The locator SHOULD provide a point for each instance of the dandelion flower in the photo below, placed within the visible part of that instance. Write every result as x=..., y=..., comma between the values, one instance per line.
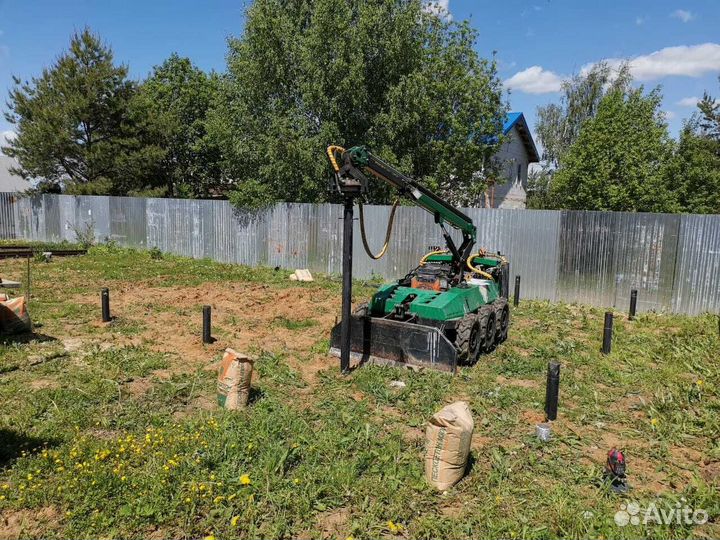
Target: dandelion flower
x=234, y=521
x=210, y=537
x=654, y=421
x=245, y=479
x=700, y=382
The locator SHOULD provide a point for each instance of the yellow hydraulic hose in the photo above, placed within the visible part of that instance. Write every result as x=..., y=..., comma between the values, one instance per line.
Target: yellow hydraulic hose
x=477, y=270
x=388, y=232
x=428, y=255
x=331, y=154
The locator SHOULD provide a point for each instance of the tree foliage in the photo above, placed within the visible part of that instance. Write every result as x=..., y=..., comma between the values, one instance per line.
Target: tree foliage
x=559, y=124
x=618, y=160
x=384, y=73
x=177, y=97
x=695, y=168
x=75, y=127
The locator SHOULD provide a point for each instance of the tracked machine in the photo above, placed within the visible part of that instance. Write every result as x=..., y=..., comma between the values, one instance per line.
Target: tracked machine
x=450, y=309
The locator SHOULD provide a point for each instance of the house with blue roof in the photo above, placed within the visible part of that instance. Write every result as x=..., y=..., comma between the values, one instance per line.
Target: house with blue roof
x=512, y=160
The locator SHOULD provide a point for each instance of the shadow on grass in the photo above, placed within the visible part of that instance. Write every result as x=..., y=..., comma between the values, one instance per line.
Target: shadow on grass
x=256, y=394
x=13, y=444
x=24, y=338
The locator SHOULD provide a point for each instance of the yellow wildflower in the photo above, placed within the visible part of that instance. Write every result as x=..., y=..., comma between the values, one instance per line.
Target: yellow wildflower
x=234, y=521
x=210, y=537
x=700, y=382
x=394, y=528
x=245, y=479
x=654, y=421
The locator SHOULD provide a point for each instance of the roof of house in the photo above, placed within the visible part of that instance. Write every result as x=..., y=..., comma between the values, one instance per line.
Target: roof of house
x=517, y=119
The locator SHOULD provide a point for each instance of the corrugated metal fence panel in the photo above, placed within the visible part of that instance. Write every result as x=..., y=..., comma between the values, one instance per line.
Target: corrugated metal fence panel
x=127, y=221
x=603, y=255
x=697, y=269
x=92, y=216
x=7, y=216
x=588, y=257
x=51, y=208
x=529, y=240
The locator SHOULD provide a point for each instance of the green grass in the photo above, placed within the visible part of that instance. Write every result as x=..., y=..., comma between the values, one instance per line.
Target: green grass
x=113, y=439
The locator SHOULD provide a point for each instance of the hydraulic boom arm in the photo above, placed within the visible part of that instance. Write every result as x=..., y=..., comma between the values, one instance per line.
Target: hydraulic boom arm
x=351, y=181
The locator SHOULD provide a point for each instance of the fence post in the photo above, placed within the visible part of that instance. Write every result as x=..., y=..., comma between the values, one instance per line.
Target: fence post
x=607, y=333
x=633, y=304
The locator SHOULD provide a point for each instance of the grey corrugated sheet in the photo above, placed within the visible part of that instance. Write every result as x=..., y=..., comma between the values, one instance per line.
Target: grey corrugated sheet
x=588, y=257
x=697, y=268
x=7, y=217
x=603, y=255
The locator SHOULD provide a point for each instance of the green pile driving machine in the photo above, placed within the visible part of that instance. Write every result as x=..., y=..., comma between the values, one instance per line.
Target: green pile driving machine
x=451, y=308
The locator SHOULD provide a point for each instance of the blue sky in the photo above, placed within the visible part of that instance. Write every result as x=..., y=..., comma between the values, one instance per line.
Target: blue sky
x=673, y=43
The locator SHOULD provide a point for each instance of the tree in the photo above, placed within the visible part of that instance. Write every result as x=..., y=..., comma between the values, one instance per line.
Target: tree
x=558, y=125
x=618, y=160
x=710, y=116
x=74, y=124
x=177, y=96
x=694, y=171
x=384, y=73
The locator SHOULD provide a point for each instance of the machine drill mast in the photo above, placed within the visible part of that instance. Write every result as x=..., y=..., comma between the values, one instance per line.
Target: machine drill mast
x=351, y=181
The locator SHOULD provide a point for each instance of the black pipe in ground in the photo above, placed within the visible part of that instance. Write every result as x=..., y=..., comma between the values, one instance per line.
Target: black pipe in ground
x=633, y=304
x=516, y=299
x=105, y=302
x=607, y=333
x=207, y=325
x=552, y=389
x=347, y=286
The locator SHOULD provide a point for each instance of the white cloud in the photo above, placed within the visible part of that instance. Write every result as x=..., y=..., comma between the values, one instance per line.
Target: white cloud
x=535, y=80
x=7, y=136
x=669, y=115
x=441, y=8
x=639, y=20
x=681, y=61
x=685, y=61
x=692, y=101
x=683, y=15
x=688, y=101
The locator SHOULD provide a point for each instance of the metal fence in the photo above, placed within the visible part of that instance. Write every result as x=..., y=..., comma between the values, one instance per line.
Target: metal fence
x=589, y=257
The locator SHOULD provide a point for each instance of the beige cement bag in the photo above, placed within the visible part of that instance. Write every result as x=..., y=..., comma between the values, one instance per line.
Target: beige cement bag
x=14, y=316
x=234, y=376
x=447, y=439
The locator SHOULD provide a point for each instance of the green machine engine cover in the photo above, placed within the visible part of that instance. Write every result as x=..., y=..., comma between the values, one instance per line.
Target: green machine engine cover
x=454, y=303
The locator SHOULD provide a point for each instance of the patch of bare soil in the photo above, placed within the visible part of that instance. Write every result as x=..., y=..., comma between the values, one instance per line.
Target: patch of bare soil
x=520, y=383
x=28, y=523
x=334, y=523
x=138, y=387
x=246, y=317
x=533, y=417
x=43, y=384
